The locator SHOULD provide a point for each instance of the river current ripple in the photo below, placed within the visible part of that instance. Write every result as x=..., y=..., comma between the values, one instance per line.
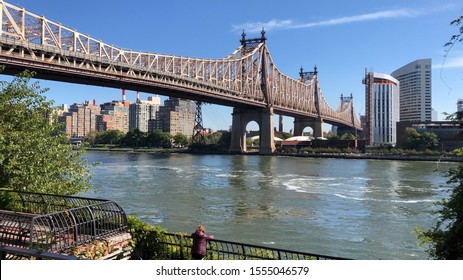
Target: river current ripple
x=361, y=209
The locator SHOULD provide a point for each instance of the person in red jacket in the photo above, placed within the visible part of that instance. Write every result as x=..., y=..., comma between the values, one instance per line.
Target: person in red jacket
x=199, y=250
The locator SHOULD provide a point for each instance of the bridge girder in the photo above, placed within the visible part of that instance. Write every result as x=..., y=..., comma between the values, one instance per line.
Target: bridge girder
x=244, y=79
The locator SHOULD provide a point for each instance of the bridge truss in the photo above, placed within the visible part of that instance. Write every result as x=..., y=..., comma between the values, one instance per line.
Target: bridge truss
x=247, y=78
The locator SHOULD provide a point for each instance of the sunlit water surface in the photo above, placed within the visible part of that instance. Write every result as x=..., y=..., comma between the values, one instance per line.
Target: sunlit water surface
x=361, y=209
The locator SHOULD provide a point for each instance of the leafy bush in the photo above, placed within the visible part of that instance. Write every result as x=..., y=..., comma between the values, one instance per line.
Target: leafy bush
x=445, y=238
x=146, y=240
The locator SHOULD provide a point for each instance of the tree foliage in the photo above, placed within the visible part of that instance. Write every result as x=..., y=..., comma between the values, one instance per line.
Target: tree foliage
x=457, y=116
x=446, y=236
x=331, y=135
x=420, y=141
x=180, y=139
x=218, y=141
x=134, y=138
x=109, y=137
x=159, y=139
x=458, y=37
x=35, y=154
x=348, y=136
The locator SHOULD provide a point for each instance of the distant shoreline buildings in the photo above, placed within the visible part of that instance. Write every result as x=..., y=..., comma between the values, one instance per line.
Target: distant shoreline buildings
x=403, y=100
x=393, y=102
x=176, y=115
x=405, y=95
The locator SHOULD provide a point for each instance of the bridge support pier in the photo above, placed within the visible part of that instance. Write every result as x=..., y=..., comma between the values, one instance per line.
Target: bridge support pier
x=315, y=124
x=264, y=118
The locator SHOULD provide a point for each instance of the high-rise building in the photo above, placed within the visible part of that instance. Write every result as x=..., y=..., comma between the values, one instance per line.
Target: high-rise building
x=415, y=90
x=177, y=115
x=81, y=119
x=382, y=108
x=142, y=111
x=435, y=115
x=58, y=113
x=114, y=116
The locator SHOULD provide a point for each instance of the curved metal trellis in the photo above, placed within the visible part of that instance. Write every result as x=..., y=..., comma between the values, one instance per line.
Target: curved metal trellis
x=56, y=223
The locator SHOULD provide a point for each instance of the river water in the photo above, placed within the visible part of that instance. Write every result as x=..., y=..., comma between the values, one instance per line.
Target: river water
x=361, y=209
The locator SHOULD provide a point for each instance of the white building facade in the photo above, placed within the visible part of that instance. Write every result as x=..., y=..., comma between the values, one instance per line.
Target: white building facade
x=142, y=111
x=415, y=90
x=385, y=107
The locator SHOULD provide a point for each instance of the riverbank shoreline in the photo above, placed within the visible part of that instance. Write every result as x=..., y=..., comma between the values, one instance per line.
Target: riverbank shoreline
x=381, y=157
x=308, y=155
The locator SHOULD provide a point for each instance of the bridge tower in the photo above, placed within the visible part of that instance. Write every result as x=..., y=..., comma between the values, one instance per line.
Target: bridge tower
x=198, y=136
x=263, y=116
x=315, y=123
x=345, y=102
x=241, y=117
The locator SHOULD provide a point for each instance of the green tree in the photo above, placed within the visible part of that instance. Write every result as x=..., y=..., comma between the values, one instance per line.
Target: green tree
x=348, y=136
x=412, y=138
x=287, y=135
x=91, y=137
x=330, y=135
x=134, y=138
x=213, y=138
x=159, y=138
x=420, y=141
x=445, y=238
x=109, y=137
x=429, y=140
x=225, y=140
x=35, y=153
x=457, y=116
x=180, y=139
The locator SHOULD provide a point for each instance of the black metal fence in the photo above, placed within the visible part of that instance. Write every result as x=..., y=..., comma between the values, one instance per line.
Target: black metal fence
x=178, y=246
x=55, y=223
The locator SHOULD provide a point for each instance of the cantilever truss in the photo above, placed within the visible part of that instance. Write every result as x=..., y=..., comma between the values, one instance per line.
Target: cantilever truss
x=247, y=77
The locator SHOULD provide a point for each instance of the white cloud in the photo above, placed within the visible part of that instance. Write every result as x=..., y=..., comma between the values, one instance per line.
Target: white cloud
x=289, y=24
x=257, y=26
x=454, y=62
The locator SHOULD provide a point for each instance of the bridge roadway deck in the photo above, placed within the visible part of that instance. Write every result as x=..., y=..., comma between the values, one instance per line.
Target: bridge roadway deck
x=47, y=69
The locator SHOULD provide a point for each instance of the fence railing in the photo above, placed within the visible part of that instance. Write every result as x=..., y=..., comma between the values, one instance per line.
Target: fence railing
x=178, y=246
x=15, y=253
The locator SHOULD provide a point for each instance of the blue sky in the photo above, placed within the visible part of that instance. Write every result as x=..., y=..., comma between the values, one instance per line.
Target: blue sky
x=343, y=38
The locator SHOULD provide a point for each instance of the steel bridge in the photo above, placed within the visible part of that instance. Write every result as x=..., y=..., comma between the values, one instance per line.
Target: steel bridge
x=247, y=80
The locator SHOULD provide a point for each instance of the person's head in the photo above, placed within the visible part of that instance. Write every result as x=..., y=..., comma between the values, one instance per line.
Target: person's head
x=202, y=228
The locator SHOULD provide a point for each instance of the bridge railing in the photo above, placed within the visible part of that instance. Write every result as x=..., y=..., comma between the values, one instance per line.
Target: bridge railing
x=178, y=246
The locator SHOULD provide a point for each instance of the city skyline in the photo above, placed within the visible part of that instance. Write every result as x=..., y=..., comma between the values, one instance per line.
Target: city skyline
x=341, y=41
x=174, y=116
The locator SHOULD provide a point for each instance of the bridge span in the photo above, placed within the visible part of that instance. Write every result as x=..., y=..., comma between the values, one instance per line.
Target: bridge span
x=247, y=79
